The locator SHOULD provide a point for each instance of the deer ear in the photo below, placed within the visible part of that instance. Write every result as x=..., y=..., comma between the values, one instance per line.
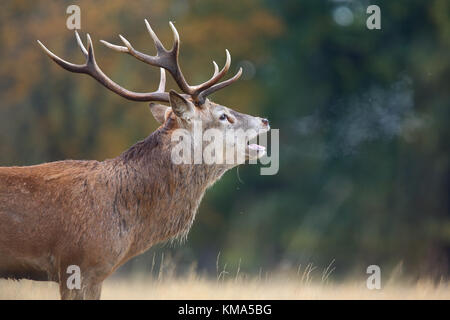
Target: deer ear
x=159, y=112
x=180, y=106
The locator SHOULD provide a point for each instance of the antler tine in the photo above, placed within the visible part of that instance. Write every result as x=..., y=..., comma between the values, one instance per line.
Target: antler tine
x=130, y=50
x=91, y=68
x=219, y=86
x=159, y=46
x=173, y=64
x=80, y=44
x=216, y=69
x=195, y=91
x=164, y=59
x=169, y=60
x=63, y=63
x=162, y=80
x=115, y=47
x=216, y=77
x=176, y=43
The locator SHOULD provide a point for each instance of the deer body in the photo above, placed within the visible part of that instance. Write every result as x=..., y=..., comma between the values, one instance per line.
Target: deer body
x=74, y=208
x=98, y=215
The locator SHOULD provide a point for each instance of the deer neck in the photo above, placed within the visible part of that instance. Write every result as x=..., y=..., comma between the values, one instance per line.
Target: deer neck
x=158, y=199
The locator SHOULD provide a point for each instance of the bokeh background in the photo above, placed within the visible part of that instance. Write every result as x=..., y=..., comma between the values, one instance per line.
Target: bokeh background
x=363, y=118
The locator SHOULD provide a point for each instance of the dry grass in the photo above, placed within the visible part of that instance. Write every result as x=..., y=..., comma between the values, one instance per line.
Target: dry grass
x=195, y=287
x=305, y=283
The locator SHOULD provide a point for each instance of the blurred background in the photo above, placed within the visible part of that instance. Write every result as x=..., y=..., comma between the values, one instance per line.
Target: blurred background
x=363, y=118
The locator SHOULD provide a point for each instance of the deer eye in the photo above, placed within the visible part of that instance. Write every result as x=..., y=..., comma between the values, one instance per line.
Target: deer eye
x=223, y=117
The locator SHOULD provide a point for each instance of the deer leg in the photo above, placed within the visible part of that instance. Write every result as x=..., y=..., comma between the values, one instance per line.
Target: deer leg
x=74, y=285
x=89, y=291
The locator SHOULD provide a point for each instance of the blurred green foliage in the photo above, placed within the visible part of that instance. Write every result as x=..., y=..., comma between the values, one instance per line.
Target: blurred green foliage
x=363, y=118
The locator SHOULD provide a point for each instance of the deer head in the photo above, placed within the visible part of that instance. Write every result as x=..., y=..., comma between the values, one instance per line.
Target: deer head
x=186, y=109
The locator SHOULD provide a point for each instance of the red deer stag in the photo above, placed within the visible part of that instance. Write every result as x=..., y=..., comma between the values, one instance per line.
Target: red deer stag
x=98, y=215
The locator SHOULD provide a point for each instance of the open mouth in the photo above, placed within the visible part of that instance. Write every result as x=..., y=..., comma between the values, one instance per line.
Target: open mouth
x=255, y=151
x=256, y=147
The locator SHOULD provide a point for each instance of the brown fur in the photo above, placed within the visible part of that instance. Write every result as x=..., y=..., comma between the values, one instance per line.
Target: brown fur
x=96, y=215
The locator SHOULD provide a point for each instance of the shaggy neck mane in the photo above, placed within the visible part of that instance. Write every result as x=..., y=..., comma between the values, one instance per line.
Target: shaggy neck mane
x=156, y=199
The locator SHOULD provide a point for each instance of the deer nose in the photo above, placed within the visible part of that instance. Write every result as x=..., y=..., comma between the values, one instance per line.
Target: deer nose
x=265, y=122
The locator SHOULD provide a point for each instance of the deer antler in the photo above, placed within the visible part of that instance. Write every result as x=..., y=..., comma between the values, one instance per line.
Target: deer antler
x=168, y=59
x=165, y=59
x=91, y=68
